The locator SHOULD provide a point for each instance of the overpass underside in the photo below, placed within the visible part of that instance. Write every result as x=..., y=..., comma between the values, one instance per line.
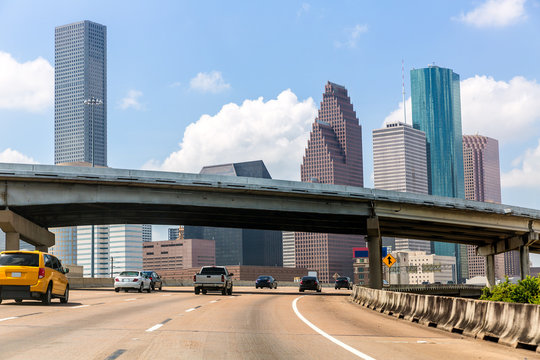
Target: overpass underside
x=52, y=196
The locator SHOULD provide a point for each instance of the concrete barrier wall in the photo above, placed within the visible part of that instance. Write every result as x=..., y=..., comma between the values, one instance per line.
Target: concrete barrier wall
x=516, y=325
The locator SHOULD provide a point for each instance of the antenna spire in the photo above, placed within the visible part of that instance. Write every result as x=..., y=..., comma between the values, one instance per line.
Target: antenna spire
x=403, y=90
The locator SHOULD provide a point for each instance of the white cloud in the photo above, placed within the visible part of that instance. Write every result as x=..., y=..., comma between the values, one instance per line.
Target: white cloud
x=13, y=156
x=526, y=172
x=209, y=82
x=275, y=131
x=175, y=84
x=353, y=34
x=495, y=13
x=304, y=8
x=131, y=100
x=397, y=115
x=26, y=86
x=508, y=111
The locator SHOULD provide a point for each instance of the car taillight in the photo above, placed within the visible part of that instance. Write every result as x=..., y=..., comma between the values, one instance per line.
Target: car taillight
x=315, y=283
x=222, y=278
x=301, y=282
x=151, y=278
x=135, y=280
x=116, y=279
x=41, y=273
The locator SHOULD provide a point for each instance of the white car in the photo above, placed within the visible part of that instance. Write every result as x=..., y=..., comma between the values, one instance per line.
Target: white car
x=136, y=280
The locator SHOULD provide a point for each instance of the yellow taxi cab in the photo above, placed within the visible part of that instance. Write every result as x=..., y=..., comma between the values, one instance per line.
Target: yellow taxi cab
x=32, y=275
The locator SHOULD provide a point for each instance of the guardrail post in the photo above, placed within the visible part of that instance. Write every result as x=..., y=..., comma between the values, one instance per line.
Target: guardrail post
x=12, y=241
x=490, y=270
x=374, y=243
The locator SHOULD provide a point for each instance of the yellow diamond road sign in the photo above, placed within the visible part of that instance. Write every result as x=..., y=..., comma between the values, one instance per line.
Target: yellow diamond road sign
x=389, y=260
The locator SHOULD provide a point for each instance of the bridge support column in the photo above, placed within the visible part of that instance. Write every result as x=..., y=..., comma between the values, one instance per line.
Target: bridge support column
x=12, y=241
x=374, y=243
x=490, y=270
x=524, y=262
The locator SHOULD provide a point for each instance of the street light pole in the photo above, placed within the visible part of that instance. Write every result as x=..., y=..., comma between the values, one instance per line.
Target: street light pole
x=93, y=102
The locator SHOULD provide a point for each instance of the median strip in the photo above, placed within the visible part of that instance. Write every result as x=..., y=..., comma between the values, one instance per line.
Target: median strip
x=331, y=338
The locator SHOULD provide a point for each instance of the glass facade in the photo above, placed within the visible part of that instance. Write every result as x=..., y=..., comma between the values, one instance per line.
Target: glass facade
x=80, y=73
x=436, y=110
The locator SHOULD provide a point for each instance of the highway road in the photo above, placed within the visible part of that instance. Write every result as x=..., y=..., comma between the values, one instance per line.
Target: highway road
x=251, y=324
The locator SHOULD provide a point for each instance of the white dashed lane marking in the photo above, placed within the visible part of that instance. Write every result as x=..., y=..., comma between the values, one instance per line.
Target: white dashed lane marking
x=9, y=318
x=157, y=326
x=79, y=306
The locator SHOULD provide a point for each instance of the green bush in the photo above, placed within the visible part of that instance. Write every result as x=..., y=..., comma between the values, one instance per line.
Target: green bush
x=526, y=291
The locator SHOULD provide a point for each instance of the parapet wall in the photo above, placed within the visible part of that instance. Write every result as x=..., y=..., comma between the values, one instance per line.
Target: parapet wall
x=516, y=325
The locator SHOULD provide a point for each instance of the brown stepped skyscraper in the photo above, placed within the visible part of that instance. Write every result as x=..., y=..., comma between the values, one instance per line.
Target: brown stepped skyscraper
x=333, y=156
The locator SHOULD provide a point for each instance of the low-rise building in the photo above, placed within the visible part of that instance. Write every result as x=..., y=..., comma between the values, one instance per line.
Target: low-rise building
x=171, y=255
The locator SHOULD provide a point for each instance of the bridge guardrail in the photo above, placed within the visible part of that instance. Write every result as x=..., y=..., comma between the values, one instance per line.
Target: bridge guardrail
x=512, y=324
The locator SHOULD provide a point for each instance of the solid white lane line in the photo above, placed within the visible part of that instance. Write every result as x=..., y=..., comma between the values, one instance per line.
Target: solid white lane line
x=79, y=306
x=155, y=327
x=213, y=301
x=331, y=338
x=9, y=318
x=166, y=295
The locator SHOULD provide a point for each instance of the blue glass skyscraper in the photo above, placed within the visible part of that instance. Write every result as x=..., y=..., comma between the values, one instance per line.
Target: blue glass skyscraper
x=436, y=110
x=80, y=73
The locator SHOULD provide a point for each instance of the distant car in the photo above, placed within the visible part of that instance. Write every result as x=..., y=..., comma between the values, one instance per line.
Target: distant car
x=450, y=282
x=343, y=282
x=310, y=283
x=425, y=282
x=135, y=280
x=155, y=280
x=32, y=275
x=265, y=281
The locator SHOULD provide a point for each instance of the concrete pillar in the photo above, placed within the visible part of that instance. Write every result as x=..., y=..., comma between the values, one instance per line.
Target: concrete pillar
x=374, y=243
x=12, y=241
x=490, y=270
x=42, y=248
x=524, y=264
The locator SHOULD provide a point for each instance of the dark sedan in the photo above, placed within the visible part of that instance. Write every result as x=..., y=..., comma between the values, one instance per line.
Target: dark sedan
x=310, y=283
x=265, y=281
x=155, y=280
x=343, y=282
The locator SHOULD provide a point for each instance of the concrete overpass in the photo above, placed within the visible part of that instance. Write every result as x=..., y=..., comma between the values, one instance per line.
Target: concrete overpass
x=36, y=197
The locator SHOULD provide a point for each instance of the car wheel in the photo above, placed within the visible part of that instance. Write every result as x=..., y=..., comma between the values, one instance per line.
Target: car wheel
x=0, y=301
x=160, y=286
x=204, y=291
x=229, y=291
x=153, y=286
x=301, y=290
x=65, y=298
x=117, y=289
x=318, y=290
x=197, y=291
x=335, y=288
x=141, y=288
x=46, y=298
x=18, y=301
x=275, y=286
x=224, y=291
x=125, y=290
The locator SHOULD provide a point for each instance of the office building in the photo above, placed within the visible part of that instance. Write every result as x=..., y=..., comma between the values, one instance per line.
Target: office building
x=178, y=254
x=288, y=249
x=241, y=246
x=400, y=164
x=333, y=156
x=102, y=264
x=147, y=232
x=482, y=183
x=436, y=110
x=174, y=233
x=431, y=268
x=80, y=73
x=125, y=247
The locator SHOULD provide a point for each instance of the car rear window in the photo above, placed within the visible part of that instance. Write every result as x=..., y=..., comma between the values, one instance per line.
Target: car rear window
x=212, y=271
x=264, y=278
x=342, y=279
x=19, y=259
x=309, y=278
x=129, y=273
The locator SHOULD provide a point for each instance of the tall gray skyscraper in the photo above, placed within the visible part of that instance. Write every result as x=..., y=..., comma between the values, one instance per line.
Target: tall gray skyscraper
x=399, y=163
x=80, y=73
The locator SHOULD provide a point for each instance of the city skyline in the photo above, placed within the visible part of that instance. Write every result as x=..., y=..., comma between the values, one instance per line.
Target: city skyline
x=219, y=84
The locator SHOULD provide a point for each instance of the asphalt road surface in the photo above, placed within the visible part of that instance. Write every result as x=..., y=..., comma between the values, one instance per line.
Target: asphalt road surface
x=251, y=324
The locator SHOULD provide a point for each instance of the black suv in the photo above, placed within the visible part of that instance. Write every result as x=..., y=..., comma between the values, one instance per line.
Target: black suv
x=343, y=282
x=155, y=280
x=310, y=283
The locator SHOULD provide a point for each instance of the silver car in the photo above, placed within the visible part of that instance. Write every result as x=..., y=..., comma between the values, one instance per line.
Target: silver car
x=136, y=280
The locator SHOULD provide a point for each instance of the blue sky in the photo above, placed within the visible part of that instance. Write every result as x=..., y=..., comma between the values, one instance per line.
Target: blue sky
x=206, y=82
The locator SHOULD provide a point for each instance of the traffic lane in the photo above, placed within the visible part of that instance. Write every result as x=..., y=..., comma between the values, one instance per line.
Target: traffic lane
x=245, y=326
x=386, y=337
x=93, y=331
